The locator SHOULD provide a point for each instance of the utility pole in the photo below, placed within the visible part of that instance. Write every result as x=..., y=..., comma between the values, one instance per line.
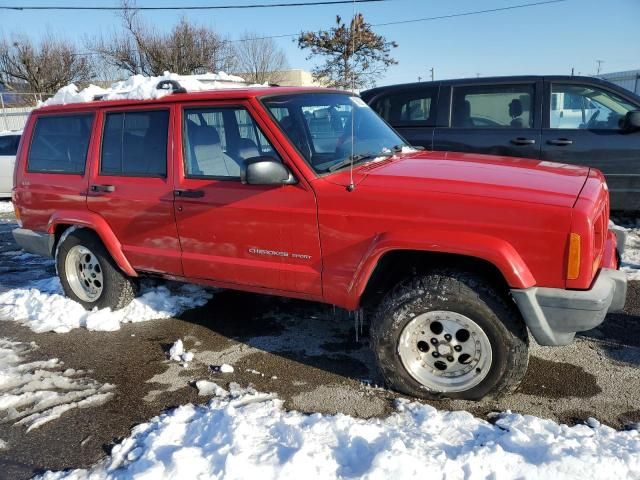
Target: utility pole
x=572, y=71
x=419, y=78
x=599, y=62
x=432, y=74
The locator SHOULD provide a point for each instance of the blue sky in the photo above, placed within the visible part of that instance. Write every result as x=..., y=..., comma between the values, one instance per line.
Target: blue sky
x=546, y=39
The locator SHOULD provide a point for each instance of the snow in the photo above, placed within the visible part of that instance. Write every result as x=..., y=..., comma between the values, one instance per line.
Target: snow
x=6, y=207
x=177, y=353
x=139, y=87
x=205, y=388
x=43, y=307
x=34, y=393
x=10, y=132
x=226, y=368
x=246, y=434
x=631, y=256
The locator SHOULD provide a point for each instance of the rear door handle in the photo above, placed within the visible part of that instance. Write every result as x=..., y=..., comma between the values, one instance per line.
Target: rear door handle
x=523, y=141
x=184, y=193
x=560, y=141
x=103, y=188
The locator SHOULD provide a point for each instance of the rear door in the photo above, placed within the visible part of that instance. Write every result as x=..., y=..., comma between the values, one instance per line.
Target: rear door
x=582, y=125
x=411, y=112
x=131, y=186
x=492, y=118
x=248, y=235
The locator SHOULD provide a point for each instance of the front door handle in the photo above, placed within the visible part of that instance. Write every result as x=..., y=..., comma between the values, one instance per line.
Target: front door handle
x=103, y=188
x=185, y=193
x=560, y=142
x=523, y=141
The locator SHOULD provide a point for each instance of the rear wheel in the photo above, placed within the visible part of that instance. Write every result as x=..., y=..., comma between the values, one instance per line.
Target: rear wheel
x=450, y=334
x=89, y=275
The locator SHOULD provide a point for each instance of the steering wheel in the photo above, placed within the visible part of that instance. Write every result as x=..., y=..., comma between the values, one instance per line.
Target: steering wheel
x=593, y=118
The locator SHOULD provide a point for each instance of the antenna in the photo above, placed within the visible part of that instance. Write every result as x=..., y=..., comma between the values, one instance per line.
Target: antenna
x=351, y=187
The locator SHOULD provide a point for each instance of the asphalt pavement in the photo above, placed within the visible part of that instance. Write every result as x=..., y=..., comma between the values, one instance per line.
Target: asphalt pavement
x=304, y=352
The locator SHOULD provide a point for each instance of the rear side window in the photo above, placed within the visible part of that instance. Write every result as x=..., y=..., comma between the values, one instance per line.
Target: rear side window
x=134, y=143
x=499, y=106
x=60, y=144
x=409, y=108
x=9, y=144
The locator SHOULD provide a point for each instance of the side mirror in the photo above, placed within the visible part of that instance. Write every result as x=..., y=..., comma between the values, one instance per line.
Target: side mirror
x=631, y=121
x=265, y=171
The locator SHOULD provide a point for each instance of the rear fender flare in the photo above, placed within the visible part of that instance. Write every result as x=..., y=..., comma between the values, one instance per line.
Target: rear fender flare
x=99, y=225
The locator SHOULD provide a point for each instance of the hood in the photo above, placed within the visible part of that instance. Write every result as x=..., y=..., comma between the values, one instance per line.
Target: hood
x=509, y=178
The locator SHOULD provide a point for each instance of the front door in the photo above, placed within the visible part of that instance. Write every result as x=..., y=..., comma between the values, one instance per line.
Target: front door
x=582, y=126
x=233, y=233
x=131, y=186
x=495, y=119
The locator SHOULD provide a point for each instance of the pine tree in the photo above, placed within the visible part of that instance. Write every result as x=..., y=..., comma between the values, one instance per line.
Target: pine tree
x=355, y=54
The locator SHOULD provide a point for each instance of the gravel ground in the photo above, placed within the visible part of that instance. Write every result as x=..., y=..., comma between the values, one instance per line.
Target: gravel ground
x=318, y=364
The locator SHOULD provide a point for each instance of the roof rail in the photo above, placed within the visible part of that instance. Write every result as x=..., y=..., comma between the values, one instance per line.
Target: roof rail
x=172, y=85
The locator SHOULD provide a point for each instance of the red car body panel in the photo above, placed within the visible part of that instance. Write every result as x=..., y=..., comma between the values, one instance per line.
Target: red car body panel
x=516, y=214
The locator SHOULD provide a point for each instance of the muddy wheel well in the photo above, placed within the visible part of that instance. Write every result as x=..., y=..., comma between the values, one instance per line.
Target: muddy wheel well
x=396, y=266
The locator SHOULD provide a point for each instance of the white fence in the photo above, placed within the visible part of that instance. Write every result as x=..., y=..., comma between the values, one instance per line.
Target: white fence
x=16, y=107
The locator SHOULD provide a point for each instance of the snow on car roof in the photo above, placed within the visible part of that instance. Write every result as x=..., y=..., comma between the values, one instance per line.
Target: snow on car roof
x=140, y=87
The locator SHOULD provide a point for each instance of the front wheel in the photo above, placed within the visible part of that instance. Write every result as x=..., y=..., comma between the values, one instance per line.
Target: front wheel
x=450, y=334
x=89, y=275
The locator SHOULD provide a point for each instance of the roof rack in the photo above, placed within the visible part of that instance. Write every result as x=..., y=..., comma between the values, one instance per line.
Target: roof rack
x=172, y=85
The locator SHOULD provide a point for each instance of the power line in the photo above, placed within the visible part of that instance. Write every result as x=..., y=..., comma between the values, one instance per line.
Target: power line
x=190, y=7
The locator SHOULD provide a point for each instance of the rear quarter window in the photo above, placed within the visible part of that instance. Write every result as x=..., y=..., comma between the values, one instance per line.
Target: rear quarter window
x=9, y=145
x=59, y=144
x=415, y=107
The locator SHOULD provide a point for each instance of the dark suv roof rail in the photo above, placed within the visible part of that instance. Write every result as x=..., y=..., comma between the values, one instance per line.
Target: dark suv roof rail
x=172, y=85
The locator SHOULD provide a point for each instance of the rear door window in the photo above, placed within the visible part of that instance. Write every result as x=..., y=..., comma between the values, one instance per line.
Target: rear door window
x=134, y=143
x=60, y=143
x=493, y=106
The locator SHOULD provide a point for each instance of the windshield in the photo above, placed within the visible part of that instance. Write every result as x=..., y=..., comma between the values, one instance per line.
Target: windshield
x=328, y=128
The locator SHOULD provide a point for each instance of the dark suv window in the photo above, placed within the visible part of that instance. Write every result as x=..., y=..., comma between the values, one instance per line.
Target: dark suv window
x=9, y=144
x=499, y=106
x=409, y=108
x=134, y=143
x=59, y=144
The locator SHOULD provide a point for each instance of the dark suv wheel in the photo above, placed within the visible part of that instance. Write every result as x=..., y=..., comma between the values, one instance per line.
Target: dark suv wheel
x=450, y=334
x=88, y=273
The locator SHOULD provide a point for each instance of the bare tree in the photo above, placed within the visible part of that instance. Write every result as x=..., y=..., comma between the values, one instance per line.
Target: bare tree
x=45, y=66
x=354, y=53
x=186, y=49
x=260, y=60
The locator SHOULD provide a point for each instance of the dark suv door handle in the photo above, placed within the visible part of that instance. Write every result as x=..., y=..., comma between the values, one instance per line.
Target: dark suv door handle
x=560, y=141
x=103, y=188
x=188, y=193
x=523, y=141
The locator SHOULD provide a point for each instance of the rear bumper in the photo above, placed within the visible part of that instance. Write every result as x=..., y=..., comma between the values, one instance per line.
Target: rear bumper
x=34, y=242
x=554, y=315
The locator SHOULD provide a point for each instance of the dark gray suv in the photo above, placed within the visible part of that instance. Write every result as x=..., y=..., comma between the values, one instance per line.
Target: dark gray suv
x=571, y=120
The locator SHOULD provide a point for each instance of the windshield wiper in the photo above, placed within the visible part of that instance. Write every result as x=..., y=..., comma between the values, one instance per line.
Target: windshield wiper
x=361, y=157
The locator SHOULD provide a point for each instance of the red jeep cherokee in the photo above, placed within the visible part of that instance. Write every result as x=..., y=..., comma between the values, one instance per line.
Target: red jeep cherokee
x=307, y=193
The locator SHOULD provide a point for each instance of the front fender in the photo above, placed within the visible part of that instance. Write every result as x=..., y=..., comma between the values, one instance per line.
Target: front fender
x=99, y=225
x=496, y=251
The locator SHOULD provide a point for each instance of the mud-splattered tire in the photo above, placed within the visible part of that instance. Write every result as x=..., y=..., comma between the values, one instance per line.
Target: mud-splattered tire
x=89, y=275
x=449, y=334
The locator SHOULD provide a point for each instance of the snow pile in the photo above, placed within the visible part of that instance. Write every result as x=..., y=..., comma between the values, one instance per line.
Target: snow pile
x=44, y=308
x=139, y=87
x=37, y=392
x=631, y=256
x=177, y=353
x=245, y=434
x=6, y=207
